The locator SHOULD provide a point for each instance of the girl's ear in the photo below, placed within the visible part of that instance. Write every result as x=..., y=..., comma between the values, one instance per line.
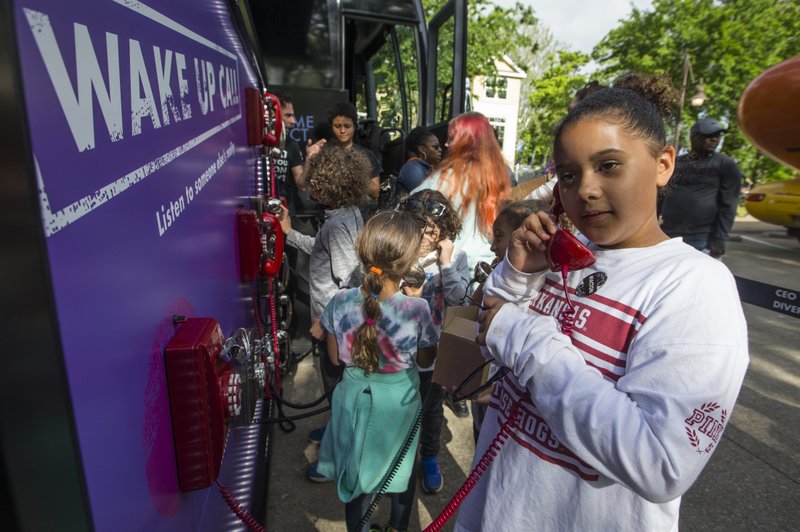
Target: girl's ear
x=665, y=165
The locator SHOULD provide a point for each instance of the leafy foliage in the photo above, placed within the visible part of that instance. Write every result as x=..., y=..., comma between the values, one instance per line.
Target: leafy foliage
x=730, y=43
x=491, y=31
x=548, y=101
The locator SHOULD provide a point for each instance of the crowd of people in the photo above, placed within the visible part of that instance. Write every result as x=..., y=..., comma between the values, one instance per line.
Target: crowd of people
x=611, y=412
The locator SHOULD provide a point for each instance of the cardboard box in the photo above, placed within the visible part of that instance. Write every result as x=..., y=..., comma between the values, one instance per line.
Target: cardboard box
x=458, y=355
x=523, y=189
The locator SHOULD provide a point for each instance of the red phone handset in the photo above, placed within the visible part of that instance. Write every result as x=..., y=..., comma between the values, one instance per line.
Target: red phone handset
x=273, y=120
x=272, y=238
x=264, y=120
x=565, y=253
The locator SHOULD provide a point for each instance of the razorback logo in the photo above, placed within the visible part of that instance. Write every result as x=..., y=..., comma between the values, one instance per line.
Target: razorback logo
x=704, y=426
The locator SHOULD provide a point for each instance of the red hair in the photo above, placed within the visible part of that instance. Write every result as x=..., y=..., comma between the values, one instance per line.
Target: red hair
x=478, y=170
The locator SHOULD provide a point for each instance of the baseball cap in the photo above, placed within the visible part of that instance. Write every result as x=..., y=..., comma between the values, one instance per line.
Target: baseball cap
x=707, y=126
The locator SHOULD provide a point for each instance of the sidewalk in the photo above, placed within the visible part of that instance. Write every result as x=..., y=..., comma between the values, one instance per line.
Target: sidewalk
x=296, y=504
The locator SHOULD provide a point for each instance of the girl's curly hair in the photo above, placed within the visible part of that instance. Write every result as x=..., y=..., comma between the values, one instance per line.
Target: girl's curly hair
x=637, y=102
x=449, y=223
x=338, y=177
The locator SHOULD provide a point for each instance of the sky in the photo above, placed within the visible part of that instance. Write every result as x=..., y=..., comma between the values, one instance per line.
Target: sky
x=580, y=24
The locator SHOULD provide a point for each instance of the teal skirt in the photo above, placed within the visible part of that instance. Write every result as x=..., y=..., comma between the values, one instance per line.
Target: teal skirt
x=371, y=417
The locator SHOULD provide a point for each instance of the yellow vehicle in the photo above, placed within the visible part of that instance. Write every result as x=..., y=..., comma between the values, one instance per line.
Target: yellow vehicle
x=777, y=203
x=770, y=117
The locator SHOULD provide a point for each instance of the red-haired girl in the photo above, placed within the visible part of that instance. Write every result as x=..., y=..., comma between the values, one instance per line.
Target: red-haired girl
x=475, y=179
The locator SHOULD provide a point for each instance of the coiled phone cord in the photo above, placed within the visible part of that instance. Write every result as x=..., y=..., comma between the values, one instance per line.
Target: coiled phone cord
x=567, y=319
x=273, y=315
x=567, y=316
x=480, y=468
x=240, y=512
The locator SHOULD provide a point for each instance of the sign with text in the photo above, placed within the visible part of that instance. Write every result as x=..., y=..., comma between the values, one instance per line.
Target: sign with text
x=127, y=99
x=769, y=296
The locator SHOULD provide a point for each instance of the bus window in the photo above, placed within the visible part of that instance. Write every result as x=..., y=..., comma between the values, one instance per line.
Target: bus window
x=445, y=90
x=443, y=79
x=301, y=46
x=396, y=79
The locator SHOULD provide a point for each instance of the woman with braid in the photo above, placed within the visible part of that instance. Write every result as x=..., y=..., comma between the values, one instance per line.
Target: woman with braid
x=380, y=335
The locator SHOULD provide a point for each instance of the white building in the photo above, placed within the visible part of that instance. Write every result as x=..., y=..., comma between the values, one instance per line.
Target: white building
x=498, y=98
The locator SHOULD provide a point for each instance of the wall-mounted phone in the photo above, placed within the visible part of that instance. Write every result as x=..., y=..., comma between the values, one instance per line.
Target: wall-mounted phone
x=204, y=392
x=272, y=238
x=264, y=121
x=261, y=241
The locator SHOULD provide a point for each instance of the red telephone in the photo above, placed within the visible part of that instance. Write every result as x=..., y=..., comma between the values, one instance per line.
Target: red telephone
x=563, y=249
x=204, y=393
x=264, y=120
x=261, y=242
x=272, y=238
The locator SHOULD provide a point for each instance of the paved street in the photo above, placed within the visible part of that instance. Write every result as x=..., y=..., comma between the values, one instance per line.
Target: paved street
x=753, y=479
x=751, y=483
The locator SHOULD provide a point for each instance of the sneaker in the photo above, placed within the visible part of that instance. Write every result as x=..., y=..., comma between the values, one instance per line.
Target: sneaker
x=432, y=481
x=459, y=408
x=313, y=475
x=315, y=436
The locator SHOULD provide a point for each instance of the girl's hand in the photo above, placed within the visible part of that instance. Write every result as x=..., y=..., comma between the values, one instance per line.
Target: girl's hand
x=411, y=291
x=492, y=306
x=528, y=243
x=445, y=252
x=313, y=149
x=286, y=223
x=317, y=332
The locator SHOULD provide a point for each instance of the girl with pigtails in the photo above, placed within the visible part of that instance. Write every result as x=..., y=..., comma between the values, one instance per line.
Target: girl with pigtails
x=380, y=335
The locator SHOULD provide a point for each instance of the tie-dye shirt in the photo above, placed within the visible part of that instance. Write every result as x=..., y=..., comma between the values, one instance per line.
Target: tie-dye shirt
x=405, y=326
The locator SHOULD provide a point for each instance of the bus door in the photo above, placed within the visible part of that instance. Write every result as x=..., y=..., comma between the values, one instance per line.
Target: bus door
x=445, y=89
x=383, y=74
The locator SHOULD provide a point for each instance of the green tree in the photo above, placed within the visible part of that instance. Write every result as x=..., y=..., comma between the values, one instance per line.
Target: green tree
x=491, y=30
x=549, y=96
x=730, y=43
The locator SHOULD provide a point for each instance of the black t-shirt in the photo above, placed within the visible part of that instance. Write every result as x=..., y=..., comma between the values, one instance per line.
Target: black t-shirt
x=373, y=159
x=290, y=157
x=702, y=198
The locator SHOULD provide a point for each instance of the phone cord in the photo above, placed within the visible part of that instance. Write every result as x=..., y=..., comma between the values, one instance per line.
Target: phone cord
x=397, y=461
x=567, y=319
x=243, y=515
x=567, y=316
x=272, y=303
x=483, y=464
x=273, y=316
x=272, y=186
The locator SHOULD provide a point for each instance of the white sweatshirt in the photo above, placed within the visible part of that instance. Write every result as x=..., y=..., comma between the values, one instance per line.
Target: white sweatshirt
x=622, y=418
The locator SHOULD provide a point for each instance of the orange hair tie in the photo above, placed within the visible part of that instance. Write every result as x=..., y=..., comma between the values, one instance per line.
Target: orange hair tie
x=376, y=270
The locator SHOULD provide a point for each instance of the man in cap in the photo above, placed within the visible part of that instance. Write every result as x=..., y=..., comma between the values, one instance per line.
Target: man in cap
x=703, y=194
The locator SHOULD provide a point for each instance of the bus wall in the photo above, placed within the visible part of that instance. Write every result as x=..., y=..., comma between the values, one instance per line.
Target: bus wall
x=137, y=127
